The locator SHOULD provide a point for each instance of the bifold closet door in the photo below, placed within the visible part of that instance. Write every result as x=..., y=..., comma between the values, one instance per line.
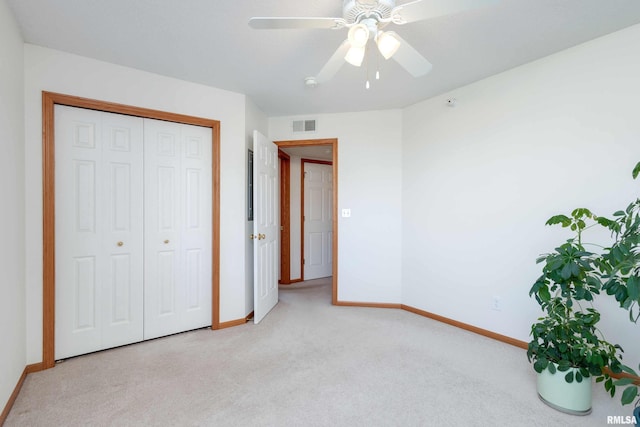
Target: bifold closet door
x=178, y=227
x=98, y=230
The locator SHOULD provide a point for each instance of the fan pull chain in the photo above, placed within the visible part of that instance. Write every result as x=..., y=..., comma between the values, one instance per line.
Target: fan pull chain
x=366, y=58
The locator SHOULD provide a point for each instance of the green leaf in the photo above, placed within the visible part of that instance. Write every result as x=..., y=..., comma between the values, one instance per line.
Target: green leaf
x=629, y=395
x=617, y=254
x=608, y=384
x=569, y=377
x=580, y=212
x=633, y=288
x=539, y=365
x=605, y=222
x=621, y=294
x=628, y=370
x=624, y=381
x=544, y=294
x=575, y=269
x=636, y=170
x=552, y=368
x=559, y=219
x=593, y=282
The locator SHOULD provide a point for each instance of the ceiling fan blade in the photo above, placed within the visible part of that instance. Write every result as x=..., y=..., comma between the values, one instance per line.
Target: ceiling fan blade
x=334, y=64
x=410, y=59
x=295, y=23
x=426, y=9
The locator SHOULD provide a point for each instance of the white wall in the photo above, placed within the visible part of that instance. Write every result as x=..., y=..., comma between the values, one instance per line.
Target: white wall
x=255, y=120
x=55, y=71
x=369, y=183
x=12, y=290
x=481, y=179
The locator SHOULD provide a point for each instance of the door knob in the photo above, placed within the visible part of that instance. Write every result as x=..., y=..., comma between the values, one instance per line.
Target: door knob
x=166, y=242
x=120, y=243
x=252, y=236
x=261, y=236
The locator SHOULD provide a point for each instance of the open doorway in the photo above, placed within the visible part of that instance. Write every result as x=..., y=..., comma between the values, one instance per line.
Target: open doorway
x=322, y=150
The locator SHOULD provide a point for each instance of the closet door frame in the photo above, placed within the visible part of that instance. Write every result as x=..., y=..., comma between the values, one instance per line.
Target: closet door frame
x=49, y=100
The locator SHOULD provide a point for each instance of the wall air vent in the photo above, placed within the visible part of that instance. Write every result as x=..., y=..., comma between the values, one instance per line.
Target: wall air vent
x=304, y=126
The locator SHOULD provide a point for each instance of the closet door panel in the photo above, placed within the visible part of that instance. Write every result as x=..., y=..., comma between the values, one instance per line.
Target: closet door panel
x=78, y=214
x=162, y=237
x=178, y=221
x=98, y=282
x=123, y=186
x=197, y=226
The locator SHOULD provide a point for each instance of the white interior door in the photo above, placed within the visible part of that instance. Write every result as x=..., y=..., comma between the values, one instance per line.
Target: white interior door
x=178, y=228
x=99, y=229
x=265, y=225
x=318, y=220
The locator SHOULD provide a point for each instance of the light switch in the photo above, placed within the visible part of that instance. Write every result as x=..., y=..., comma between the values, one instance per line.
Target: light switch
x=346, y=213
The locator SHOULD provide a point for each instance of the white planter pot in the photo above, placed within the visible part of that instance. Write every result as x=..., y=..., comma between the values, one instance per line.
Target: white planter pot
x=572, y=398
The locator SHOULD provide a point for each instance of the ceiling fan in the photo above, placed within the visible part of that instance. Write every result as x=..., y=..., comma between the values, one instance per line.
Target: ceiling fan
x=365, y=20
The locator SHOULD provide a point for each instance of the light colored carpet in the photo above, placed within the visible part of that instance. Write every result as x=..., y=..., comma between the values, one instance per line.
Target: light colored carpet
x=307, y=364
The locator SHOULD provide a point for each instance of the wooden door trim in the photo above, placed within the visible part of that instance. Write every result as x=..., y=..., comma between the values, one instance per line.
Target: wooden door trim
x=333, y=142
x=285, y=217
x=49, y=100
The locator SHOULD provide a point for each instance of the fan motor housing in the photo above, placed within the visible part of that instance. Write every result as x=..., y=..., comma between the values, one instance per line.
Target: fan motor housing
x=356, y=10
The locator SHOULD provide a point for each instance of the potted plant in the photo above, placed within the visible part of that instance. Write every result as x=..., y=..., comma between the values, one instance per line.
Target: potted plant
x=567, y=349
x=619, y=265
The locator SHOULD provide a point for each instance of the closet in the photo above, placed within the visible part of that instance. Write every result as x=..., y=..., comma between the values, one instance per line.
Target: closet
x=133, y=227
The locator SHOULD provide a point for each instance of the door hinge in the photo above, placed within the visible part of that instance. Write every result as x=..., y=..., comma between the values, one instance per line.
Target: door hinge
x=304, y=261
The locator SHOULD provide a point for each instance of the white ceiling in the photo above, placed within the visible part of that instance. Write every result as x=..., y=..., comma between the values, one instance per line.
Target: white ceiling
x=317, y=152
x=209, y=42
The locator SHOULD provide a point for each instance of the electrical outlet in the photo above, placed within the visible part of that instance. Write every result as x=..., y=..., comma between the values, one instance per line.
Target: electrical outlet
x=496, y=303
x=346, y=213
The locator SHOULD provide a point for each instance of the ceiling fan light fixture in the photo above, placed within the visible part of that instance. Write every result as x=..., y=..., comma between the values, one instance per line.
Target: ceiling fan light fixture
x=355, y=55
x=358, y=35
x=388, y=43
